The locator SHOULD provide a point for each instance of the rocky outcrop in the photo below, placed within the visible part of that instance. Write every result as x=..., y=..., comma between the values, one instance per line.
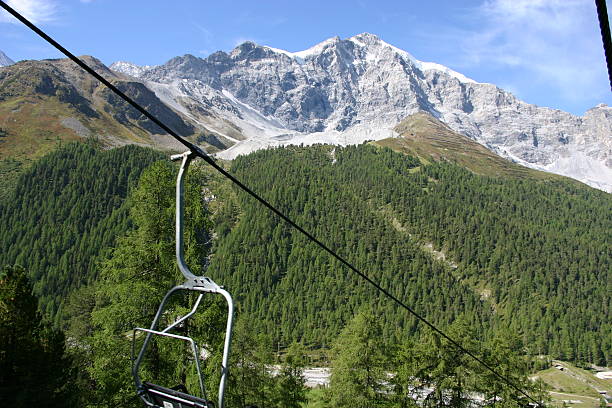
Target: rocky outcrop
x=124, y=113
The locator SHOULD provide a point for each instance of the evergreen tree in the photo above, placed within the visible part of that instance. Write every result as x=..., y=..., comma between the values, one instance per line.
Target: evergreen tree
x=290, y=381
x=437, y=371
x=134, y=279
x=251, y=382
x=65, y=210
x=441, y=375
x=359, y=365
x=505, y=352
x=524, y=252
x=34, y=369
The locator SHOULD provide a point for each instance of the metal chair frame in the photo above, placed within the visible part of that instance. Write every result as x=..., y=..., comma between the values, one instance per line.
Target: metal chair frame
x=192, y=283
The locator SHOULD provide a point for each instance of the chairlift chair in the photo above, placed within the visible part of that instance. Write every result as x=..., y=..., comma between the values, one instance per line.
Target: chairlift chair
x=158, y=396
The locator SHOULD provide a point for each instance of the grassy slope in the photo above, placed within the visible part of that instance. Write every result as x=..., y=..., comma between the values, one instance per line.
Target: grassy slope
x=32, y=127
x=429, y=139
x=36, y=97
x=574, y=384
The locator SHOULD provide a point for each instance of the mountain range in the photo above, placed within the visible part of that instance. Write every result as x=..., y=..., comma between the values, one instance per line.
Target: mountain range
x=453, y=228
x=360, y=88
x=338, y=91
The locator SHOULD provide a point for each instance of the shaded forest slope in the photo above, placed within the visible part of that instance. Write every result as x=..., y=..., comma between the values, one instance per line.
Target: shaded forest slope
x=64, y=211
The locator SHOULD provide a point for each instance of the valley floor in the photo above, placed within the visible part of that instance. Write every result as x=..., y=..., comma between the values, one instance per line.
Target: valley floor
x=570, y=386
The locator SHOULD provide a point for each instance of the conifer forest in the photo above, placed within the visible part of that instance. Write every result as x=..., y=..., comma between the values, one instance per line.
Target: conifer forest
x=516, y=269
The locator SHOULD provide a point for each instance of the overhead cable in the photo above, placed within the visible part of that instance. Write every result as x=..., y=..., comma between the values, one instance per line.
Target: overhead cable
x=208, y=159
x=604, y=27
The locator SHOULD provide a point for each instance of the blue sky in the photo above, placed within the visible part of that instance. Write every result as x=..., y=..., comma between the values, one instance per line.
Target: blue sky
x=547, y=52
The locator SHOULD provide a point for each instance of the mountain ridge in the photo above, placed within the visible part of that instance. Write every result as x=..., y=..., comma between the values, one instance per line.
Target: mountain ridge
x=5, y=61
x=424, y=136
x=358, y=89
x=337, y=92
x=43, y=103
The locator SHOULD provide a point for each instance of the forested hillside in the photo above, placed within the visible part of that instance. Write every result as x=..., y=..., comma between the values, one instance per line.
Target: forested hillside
x=529, y=255
x=525, y=254
x=64, y=211
x=507, y=266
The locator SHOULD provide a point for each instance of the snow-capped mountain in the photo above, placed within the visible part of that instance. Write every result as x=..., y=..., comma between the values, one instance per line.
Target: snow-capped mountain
x=4, y=60
x=348, y=91
x=130, y=69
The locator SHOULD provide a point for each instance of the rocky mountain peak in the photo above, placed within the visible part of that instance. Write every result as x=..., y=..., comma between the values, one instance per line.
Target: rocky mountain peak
x=373, y=44
x=249, y=51
x=367, y=38
x=130, y=69
x=5, y=60
x=187, y=60
x=94, y=63
x=356, y=89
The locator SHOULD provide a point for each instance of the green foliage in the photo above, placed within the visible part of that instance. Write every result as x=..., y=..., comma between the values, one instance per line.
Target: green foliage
x=317, y=398
x=133, y=279
x=527, y=254
x=10, y=168
x=358, y=365
x=64, y=211
x=438, y=372
x=290, y=381
x=295, y=291
x=34, y=370
x=505, y=352
x=251, y=383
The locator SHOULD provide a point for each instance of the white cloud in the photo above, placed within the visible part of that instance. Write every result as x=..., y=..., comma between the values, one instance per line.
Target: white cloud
x=37, y=11
x=557, y=40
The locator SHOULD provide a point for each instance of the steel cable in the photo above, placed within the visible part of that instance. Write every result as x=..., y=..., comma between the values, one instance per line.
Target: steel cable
x=237, y=182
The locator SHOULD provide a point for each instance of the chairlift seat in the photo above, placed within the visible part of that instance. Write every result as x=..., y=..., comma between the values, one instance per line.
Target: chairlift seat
x=167, y=398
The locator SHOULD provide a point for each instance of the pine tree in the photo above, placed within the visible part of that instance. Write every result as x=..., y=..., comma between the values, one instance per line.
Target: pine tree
x=359, y=364
x=436, y=371
x=290, y=381
x=133, y=280
x=34, y=369
x=251, y=383
x=505, y=352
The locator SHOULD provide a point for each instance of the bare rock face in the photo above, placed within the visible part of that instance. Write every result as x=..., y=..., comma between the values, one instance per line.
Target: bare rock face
x=348, y=91
x=130, y=69
x=5, y=61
